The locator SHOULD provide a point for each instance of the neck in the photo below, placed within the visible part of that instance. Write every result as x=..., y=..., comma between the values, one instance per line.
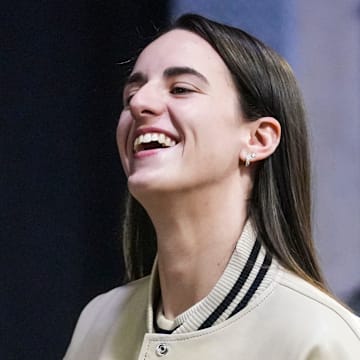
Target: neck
x=196, y=232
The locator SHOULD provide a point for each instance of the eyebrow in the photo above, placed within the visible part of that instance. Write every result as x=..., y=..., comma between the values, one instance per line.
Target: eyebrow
x=136, y=78
x=141, y=78
x=184, y=70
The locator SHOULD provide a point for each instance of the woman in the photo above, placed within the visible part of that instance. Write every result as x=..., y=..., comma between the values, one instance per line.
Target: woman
x=213, y=141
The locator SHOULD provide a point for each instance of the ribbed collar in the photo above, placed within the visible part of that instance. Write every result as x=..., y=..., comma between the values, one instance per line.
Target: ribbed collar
x=248, y=273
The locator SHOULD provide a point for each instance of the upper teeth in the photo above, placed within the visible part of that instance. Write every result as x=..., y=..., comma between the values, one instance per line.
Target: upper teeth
x=149, y=137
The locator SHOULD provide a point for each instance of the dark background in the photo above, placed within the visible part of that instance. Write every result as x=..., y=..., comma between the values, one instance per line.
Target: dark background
x=60, y=177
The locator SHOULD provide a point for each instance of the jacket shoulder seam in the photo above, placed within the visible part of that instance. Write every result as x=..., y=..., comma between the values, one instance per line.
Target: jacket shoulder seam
x=325, y=304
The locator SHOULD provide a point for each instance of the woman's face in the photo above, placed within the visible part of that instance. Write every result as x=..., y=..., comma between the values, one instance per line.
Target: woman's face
x=181, y=126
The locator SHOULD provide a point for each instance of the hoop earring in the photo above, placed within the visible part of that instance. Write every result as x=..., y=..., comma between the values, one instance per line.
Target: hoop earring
x=249, y=158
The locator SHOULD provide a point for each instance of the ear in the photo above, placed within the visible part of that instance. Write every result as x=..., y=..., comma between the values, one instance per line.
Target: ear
x=265, y=134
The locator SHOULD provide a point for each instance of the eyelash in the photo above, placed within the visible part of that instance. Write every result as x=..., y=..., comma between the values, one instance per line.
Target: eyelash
x=179, y=90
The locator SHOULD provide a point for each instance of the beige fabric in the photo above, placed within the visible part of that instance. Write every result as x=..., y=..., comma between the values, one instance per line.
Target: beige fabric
x=288, y=319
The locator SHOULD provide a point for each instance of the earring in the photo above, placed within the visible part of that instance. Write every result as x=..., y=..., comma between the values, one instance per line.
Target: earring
x=249, y=158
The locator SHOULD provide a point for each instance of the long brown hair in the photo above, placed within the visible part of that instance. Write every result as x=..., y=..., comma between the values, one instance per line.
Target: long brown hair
x=280, y=202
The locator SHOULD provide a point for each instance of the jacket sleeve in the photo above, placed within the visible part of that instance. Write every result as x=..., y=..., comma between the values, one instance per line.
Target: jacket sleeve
x=333, y=352
x=101, y=316
x=88, y=336
x=337, y=346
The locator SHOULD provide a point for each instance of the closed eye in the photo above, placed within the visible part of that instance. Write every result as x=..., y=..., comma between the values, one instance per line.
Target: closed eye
x=179, y=90
x=127, y=98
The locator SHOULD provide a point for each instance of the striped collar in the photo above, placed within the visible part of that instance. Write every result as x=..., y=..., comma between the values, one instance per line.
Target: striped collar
x=249, y=272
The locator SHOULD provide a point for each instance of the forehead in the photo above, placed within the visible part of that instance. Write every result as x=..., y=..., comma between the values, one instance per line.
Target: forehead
x=182, y=48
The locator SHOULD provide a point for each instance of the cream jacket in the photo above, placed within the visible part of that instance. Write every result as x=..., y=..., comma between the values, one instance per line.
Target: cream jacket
x=286, y=319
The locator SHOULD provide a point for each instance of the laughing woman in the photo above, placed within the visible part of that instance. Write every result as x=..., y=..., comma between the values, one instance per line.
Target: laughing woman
x=213, y=141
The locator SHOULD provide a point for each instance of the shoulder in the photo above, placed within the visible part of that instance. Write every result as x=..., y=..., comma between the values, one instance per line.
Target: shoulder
x=311, y=323
x=115, y=298
x=316, y=313
x=101, y=313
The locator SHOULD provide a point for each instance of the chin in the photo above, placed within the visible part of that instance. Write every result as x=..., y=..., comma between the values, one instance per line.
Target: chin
x=142, y=186
x=153, y=186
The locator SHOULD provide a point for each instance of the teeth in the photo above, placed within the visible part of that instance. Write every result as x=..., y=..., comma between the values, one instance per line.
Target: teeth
x=147, y=138
x=161, y=138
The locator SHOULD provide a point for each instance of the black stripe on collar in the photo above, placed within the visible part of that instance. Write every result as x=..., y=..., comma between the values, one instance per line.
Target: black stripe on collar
x=228, y=300
x=254, y=286
x=235, y=289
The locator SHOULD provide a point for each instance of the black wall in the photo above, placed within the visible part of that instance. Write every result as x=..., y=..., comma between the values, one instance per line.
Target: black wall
x=61, y=181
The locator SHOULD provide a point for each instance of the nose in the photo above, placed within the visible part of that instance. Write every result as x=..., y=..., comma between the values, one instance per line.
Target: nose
x=148, y=101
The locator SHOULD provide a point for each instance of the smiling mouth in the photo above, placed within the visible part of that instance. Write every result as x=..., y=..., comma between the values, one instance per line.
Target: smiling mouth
x=149, y=141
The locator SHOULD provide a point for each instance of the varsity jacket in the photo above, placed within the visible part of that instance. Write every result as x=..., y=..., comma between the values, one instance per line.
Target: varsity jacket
x=257, y=310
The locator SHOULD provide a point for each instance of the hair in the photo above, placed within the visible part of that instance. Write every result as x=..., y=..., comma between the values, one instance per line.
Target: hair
x=279, y=205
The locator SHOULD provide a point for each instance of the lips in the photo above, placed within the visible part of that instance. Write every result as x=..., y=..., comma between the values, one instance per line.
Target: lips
x=153, y=139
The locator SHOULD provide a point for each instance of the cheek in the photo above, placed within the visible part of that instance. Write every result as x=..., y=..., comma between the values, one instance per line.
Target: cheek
x=122, y=134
